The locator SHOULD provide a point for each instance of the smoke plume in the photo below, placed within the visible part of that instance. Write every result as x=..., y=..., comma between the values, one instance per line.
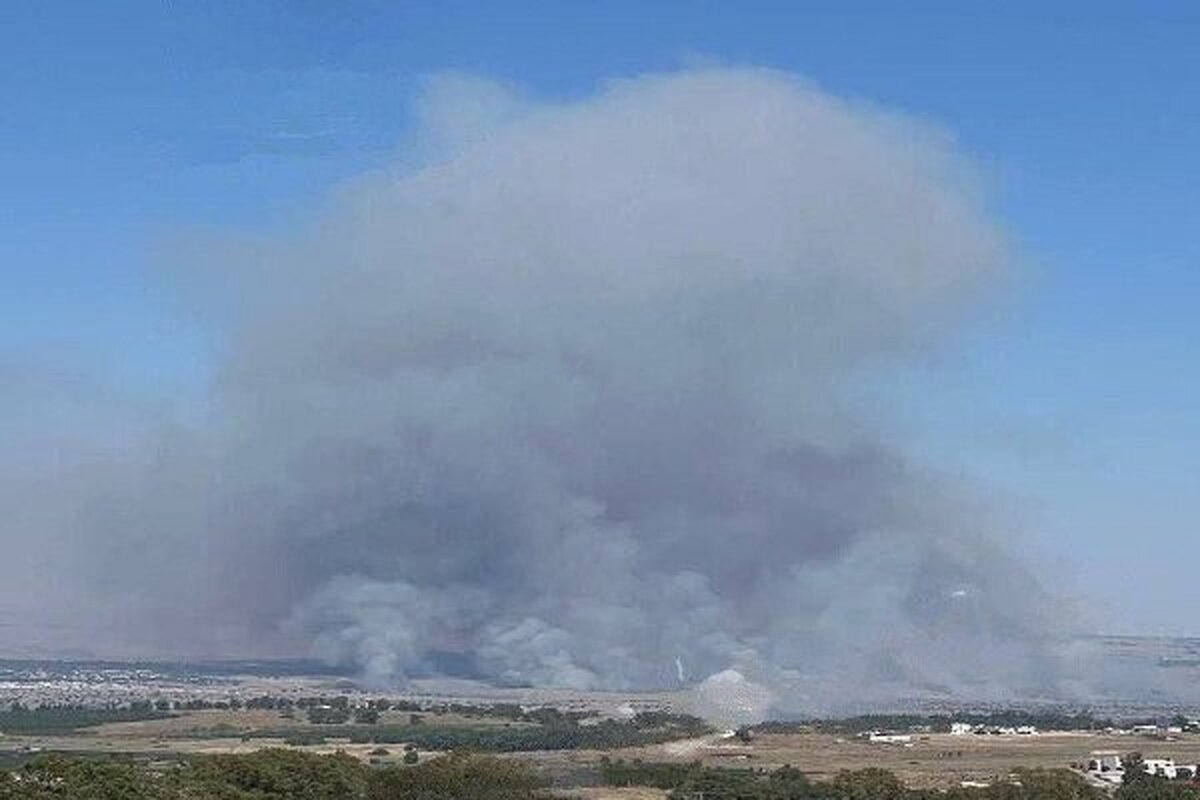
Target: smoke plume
x=567, y=401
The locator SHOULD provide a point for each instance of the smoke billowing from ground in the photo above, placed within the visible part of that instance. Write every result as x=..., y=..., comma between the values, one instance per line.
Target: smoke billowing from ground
x=567, y=404
x=726, y=699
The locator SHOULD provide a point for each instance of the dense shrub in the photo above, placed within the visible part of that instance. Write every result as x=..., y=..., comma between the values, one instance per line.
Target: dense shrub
x=561, y=734
x=272, y=774
x=688, y=781
x=456, y=777
x=275, y=774
x=55, y=778
x=52, y=720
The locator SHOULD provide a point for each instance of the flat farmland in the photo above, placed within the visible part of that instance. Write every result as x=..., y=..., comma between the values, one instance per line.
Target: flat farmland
x=237, y=731
x=933, y=760
x=928, y=760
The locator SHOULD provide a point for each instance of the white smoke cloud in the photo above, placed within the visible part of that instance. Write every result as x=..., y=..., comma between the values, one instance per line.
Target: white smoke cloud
x=729, y=701
x=567, y=401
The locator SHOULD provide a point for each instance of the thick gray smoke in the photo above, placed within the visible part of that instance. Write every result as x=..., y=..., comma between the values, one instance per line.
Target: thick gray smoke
x=568, y=403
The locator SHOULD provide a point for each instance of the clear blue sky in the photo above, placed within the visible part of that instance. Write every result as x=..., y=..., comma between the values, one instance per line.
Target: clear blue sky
x=121, y=121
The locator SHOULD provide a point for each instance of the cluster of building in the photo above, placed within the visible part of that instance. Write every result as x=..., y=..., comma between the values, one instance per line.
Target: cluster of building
x=1108, y=767
x=879, y=737
x=36, y=685
x=965, y=728
x=956, y=729
x=109, y=685
x=1153, y=730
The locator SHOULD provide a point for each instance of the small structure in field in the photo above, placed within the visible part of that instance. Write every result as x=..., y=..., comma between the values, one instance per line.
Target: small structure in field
x=878, y=737
x=1106, y=767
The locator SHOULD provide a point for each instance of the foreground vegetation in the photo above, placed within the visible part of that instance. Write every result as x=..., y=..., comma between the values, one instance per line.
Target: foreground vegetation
x=275, y=774
x=691, y=781
x=272, y=775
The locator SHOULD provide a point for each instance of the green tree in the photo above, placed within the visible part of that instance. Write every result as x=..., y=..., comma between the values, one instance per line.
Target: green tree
x=275, y=773
x=868, y=784
x=456, y=777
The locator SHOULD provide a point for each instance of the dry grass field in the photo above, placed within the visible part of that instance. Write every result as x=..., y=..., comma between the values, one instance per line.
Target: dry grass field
x=224, y=731
x=609, y=793
x=934, y=760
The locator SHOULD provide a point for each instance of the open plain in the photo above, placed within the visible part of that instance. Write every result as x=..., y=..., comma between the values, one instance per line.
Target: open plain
x=933, y=760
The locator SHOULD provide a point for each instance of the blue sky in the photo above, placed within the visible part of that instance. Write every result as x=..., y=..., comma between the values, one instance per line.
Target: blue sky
x=127, y=122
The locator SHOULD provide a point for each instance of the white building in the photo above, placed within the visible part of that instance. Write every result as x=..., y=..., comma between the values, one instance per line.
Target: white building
x=1106, y=767
x=1162, y=767
x=960, y=728
x=876, y=737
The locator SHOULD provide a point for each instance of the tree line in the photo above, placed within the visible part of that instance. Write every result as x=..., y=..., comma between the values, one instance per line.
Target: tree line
x=561, y=733
x=51, y=720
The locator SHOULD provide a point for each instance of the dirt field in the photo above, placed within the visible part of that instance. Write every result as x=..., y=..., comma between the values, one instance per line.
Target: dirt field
x=934, y=760
x=617, y=794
